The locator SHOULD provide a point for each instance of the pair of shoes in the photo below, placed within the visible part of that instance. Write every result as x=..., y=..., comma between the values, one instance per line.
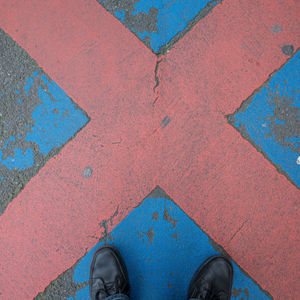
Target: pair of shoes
x=108, y=276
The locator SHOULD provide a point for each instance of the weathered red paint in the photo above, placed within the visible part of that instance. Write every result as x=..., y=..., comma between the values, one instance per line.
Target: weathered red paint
x=216, y=176
x=219, y=178
x=110, y=74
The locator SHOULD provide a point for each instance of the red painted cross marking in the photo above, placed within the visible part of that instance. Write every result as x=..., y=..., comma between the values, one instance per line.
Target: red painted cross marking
x=215, y=175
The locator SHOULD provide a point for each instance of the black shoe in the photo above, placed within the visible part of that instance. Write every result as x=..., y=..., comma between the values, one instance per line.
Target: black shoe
x=108, y=274
x=213, y=280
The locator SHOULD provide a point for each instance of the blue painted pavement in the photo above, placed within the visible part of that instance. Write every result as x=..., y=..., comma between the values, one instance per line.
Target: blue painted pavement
x=272, y=119
x=162, y=248
x=172, y=17
x=36, y=119
x=55, y=120
x=20, y=160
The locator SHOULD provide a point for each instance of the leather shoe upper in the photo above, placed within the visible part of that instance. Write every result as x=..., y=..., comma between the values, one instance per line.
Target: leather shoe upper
x=213, y=280
x=108, y=274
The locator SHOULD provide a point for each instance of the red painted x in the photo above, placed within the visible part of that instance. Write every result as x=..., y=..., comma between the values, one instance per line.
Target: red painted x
x=182, y=142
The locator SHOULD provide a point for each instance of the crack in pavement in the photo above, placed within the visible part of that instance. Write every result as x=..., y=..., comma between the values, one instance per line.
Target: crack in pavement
x=157, y=81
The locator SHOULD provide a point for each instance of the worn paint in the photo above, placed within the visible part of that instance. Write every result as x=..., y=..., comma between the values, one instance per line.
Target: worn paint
x=87, y=172
x=156, y=22
x=214, y=174
x=20, y=160
x=271, y=118
x=288, y=49
x=36, y=119
x=56, y=119
x=62, y=287
x=175, y=260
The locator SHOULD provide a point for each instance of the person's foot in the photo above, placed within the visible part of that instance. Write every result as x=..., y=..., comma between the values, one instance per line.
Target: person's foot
x=213, y=280
x=108, y=274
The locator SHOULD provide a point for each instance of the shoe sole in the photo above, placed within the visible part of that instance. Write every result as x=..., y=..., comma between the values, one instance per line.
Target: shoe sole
x=206, y=263
x=119, y=259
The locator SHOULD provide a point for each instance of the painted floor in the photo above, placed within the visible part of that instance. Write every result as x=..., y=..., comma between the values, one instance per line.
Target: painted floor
x=163, y=248
x=37, y=119
x=108, y=107
x=270, y=118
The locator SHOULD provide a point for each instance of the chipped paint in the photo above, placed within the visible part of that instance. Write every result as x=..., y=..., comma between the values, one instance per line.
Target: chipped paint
x=157, y=22
x=183, y=179
x=288, y=49
x=173, y=259
x=148, y=233
x=87, y=172
x=19, y=160
x=63, y=286
x=155, y=215
x=270, y=119
x=168, y=218
x=242, y=294
x=165, y=122
x=276, y=28
x=36, y=119
x=56, y=119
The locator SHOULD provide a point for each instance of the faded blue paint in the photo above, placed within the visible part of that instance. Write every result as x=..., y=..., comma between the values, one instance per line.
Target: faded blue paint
x=81, y=294
x=161, y=268
x=120, y=15
x=21, y=159
x=55, y=120
x=173, y=17
x=28, y=85
x=257, y=118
